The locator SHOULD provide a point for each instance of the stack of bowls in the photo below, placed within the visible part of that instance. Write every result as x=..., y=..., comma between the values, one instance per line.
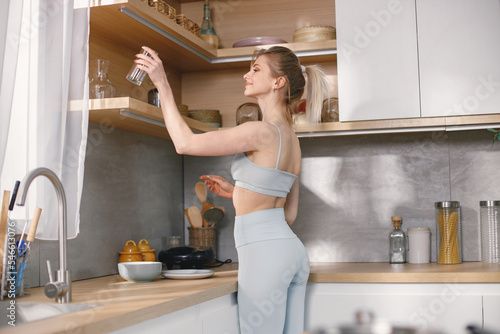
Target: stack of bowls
x=148, y=254
x=130, y=253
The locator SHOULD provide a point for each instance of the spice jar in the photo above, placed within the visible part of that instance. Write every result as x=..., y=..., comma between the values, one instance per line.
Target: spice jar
x=490, y=231
x=448, y=232
x=419, y=245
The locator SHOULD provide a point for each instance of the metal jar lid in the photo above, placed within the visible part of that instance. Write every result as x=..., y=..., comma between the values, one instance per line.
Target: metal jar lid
x=418, y=230
x=489, y=203
x=448, y=204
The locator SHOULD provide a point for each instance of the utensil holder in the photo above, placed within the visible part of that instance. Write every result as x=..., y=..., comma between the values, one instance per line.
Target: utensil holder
x=203, y=236
x=490, y=231
x=448, y=232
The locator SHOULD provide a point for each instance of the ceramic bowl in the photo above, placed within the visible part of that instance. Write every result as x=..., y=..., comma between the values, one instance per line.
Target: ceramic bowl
x=139, y=272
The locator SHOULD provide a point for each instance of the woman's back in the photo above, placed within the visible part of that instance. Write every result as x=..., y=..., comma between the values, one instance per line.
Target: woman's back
x=264, y=177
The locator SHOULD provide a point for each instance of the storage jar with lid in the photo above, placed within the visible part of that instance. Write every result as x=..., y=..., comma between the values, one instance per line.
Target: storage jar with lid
x=448, y=232
x=419, y=244
x=490, y=231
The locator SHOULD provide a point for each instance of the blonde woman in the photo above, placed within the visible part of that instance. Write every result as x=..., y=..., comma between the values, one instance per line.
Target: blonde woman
x=273, y=262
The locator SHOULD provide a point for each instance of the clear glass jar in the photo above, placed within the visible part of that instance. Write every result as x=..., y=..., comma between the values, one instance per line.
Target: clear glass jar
x=490, y=231
x=248, y=112
x=100, y=87
x=448, y=232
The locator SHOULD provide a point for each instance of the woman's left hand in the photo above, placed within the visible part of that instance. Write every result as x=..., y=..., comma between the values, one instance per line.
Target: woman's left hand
x=152, y=65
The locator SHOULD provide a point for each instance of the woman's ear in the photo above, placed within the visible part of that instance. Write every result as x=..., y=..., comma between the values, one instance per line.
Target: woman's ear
x=280, y=82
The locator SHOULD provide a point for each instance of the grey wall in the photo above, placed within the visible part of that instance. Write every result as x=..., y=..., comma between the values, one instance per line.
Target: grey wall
x=351, y=186
x=137, y=187
x=133, y=189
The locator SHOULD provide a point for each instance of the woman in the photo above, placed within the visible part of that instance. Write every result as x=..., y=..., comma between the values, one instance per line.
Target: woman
x=273, y=263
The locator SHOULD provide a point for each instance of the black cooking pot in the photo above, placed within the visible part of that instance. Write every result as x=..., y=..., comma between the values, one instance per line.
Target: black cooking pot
x=187, y=257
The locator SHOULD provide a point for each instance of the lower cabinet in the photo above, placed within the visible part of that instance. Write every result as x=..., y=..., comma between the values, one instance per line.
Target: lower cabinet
x=447, y=307
x=217, y=316
x=491, y=305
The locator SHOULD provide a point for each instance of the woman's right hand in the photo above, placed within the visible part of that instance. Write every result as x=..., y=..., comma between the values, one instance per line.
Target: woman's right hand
x=218, y=185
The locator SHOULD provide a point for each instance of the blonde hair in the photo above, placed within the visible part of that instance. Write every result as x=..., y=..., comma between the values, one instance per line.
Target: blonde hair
x=284, y=63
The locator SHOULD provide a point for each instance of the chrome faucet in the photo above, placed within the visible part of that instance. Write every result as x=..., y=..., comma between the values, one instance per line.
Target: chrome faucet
x=60, y=289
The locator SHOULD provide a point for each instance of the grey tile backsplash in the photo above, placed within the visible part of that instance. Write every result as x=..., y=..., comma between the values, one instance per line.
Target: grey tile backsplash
x=351, y=186
x=137, y=187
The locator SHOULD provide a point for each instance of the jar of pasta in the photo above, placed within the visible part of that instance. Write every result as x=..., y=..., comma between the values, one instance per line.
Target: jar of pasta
x=448, y=232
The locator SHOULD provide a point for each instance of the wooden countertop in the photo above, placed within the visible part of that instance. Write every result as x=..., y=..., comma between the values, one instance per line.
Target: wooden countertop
x=123, y=304
x=467, y=272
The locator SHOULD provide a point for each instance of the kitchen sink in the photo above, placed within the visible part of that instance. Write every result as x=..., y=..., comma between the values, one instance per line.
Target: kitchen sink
x=23, y=312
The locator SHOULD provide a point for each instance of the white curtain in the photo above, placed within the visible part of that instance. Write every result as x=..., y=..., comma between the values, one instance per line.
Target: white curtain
x=44, y=65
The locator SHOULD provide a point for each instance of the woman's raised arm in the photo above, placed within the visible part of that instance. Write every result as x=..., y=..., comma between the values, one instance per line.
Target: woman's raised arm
x=249, y=136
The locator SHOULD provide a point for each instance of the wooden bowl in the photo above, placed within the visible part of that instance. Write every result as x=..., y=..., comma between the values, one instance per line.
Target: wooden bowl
x=314, y=33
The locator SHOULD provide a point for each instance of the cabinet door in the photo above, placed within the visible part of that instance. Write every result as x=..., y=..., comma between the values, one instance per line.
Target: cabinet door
x=491, y=310
x=459, y=54
x=377, y=59
x=447, y=308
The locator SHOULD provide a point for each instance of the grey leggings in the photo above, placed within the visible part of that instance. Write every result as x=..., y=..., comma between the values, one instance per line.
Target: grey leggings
x=272, y=275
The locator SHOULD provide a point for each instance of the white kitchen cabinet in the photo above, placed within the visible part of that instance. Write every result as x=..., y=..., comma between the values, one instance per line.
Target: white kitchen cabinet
x=423, y=58
x=459, y=56
x=217, y=316
x=446, y=307
x=377, y=59
x=491, y=306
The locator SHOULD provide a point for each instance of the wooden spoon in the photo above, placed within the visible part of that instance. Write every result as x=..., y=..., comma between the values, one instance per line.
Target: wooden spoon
x=194, y=216
x=201, y=191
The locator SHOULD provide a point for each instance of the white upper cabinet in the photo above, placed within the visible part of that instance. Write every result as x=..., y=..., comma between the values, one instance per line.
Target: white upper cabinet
x=377, y=59
x=459, y=55
x=418, y=58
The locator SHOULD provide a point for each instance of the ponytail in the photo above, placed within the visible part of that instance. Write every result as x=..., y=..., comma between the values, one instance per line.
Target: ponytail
x=285, y=63
x=317, y=87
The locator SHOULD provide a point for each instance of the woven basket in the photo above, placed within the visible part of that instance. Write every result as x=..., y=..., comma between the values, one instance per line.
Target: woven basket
x=210, y=116
x=163, y=7
x=314, y=33
x=203, y=236
x=183, y=109
x=188, y=24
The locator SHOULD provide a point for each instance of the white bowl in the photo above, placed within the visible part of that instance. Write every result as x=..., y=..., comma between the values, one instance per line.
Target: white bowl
x=140, y=271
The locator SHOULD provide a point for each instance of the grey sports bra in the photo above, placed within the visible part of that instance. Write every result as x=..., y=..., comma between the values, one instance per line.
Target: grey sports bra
x=263, y=180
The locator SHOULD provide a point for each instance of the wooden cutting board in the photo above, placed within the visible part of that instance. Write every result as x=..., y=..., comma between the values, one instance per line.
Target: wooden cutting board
x=3, y=220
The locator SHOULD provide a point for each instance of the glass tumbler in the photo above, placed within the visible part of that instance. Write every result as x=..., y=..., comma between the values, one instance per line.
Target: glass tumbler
x=448, y=232
x=490, y=231
x=136, y=75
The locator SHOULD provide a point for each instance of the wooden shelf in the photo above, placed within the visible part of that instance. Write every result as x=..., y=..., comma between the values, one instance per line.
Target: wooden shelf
x=424, y=124
x=136, y=116
x=132, y=24
x=132, y=115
